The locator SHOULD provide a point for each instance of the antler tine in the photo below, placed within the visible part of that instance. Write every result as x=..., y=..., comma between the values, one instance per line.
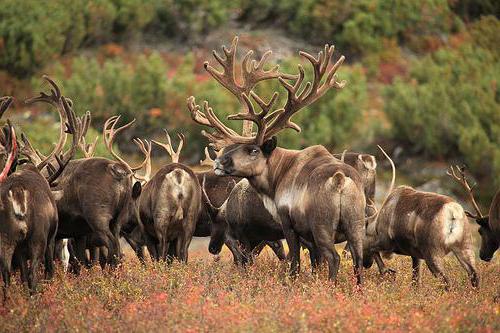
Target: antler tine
x=222, y=135
x=88, y=149
x=145, y=146
x=5, y=103
x=208, y=161
x=53, y=98
x=61, y=103
x=298, y=99
x=459, y=175
x=11, y=156
x=109, y=134
x=74, y=126
x=174, y=155
x=27, y=149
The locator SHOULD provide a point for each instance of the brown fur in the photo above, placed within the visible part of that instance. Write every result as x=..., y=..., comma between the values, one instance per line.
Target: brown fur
x=297, y=181
x=97, y=192
x=169, y=218
x=424, y=226
x=30, y=234
x=490, y=230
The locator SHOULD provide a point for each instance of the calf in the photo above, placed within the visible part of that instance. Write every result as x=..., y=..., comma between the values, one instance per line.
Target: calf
x=424, y=226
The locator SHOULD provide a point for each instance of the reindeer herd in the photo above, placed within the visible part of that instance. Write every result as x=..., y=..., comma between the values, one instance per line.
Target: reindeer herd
x=57, y=208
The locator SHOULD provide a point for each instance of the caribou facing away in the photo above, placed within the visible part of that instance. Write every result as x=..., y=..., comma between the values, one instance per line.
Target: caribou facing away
x=424, y=226
x=28, y=212
x=169, y=207
x=94, y=206
x=489, y=226
x=315, y=193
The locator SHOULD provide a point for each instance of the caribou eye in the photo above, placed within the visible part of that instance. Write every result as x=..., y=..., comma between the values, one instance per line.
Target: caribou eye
x=254, y=151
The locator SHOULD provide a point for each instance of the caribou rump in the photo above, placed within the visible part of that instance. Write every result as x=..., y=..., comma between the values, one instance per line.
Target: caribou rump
x=315, y=193
x=169, y=207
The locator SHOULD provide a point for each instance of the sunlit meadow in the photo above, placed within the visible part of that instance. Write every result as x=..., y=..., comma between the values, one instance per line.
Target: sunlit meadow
x=214, y=295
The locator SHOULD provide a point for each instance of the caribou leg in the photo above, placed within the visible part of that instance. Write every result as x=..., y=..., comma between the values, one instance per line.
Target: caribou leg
x=466, y=259
x=293, y=242
x=435, y=265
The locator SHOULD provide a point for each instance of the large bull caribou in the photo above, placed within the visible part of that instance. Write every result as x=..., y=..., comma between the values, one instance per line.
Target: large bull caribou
x=315, y=193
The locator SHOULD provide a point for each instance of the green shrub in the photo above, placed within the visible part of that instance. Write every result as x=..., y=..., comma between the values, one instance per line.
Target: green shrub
x=449, y=106
x=190, y=19
x=33, y=33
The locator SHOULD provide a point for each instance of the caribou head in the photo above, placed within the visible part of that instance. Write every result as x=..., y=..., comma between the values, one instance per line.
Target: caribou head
x=246, y=155
x=489, y=243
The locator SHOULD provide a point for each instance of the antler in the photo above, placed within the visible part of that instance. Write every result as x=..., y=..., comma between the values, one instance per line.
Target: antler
x=88, y=149
x=74, y=127
x=11, y=157
x=57, y=100
x=145, y=147
x=298, y=99
x=208, y=161
x=268, y=122
x=5, y=103
x=170, y=148
x=458, y=173
x=109, y=134
x=252, y=72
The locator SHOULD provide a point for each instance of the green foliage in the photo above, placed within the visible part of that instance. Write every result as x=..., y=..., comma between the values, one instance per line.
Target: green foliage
x=450, y=104
x=190, y=19
x=403, y=20
x=32, y=33
x=117, y=87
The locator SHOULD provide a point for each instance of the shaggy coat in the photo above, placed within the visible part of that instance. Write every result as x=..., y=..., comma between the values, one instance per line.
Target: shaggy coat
x=424, y=226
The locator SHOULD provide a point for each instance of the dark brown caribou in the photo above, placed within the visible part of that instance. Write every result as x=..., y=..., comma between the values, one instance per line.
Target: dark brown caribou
x=315, y=194
x=28, y=212
x=97, y=192
x=489, y=226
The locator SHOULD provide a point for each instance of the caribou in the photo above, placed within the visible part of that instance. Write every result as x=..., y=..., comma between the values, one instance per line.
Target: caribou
x=425, y=226
x=169, y=207
x=315, y=194
x=96, y=195
x=489, y=226
x=28, y=210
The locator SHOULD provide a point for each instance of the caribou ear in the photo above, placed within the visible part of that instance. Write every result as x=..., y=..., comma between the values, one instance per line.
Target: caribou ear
x=483, y=221
x=136, y=190
x=268, y=146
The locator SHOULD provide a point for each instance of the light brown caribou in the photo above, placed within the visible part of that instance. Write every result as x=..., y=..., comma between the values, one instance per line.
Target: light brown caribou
x=489, y=226
x=28, y=212
x=422, y=225
x=316, y=194
x=169, y=207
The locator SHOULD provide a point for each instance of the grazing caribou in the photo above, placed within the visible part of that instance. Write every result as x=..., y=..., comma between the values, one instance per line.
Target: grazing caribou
x=169, y=207
x=489, y=226
x=315, y=193
x=425, y=226
x=28, y=212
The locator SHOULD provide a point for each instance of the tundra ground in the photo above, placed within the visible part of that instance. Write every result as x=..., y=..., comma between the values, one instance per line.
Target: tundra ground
x=209, y=295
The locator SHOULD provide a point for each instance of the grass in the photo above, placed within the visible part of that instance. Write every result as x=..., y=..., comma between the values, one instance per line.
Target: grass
x=208, y=295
